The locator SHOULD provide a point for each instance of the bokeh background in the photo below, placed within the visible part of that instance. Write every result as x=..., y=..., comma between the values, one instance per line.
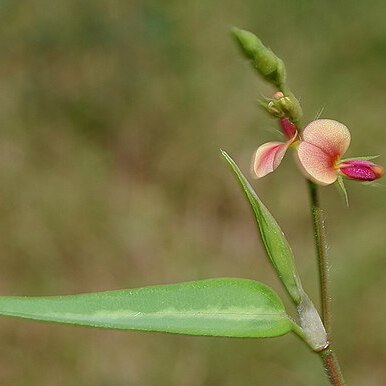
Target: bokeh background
x=112, y=116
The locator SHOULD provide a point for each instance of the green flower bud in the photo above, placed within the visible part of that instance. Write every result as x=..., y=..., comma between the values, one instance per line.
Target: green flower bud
x=269, y=66
x=271, y=107
x=290, y=107
x=282, y=105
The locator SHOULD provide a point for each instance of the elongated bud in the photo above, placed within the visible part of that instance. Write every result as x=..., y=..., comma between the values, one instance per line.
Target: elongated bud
x=361, y=170
x=269, y=66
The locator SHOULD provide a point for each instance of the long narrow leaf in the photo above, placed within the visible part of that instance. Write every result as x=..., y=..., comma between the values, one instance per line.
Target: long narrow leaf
x=218, y=307
x=275, y=243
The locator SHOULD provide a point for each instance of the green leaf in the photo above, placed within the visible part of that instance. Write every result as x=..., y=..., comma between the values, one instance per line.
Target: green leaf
x=275, y=243
x=218, y=307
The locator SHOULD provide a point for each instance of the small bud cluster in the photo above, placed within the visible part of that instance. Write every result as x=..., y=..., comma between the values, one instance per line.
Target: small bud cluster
x=272, y=69
x=281, y=105
x=319, y=146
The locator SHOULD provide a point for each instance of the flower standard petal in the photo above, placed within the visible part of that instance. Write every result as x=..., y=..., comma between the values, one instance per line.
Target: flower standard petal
x=268, y=157
x=331, y=136
x=316, y=164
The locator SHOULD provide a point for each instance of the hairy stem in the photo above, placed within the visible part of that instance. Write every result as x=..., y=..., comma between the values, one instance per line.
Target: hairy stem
x=321, y=251
x=331, y=367
x=329, y=358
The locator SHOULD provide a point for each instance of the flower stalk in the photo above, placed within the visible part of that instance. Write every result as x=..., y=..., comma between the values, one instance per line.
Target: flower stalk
x=321, y=252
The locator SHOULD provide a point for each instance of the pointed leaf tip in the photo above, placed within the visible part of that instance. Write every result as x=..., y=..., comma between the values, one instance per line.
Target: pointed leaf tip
x=275, y=243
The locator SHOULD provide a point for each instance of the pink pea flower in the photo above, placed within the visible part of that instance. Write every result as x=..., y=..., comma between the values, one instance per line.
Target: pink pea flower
x=269, y=156
x=323, y=143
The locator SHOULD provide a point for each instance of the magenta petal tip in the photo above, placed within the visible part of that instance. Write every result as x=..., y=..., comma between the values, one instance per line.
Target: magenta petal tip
x=361, y=170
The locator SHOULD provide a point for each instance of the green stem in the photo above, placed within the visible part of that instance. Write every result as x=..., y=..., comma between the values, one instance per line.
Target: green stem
x=321, y=251
x=332, y=368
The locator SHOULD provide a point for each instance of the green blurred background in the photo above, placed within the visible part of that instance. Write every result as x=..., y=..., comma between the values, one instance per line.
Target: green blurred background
x=112, y=116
